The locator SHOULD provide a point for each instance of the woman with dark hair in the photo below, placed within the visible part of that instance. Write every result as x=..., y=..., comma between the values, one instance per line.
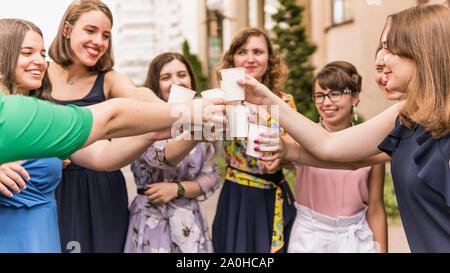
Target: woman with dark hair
x=172, y=177
x=31, y=128
x=255, y=209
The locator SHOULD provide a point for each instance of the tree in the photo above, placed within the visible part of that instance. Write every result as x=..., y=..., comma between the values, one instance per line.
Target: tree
x=202, y=81
x=295, y=50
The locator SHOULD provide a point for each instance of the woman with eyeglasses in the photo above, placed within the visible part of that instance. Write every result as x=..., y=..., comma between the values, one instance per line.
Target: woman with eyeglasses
x=338, y=210
x=414, y=132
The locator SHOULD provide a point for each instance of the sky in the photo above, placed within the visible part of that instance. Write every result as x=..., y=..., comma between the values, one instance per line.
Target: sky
x=46, y=14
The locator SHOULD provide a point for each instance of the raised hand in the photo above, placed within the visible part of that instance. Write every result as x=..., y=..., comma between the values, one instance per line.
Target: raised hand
x=10, y=175
x=255, y=92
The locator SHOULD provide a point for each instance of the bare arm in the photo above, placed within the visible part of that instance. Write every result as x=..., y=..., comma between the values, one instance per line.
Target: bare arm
x=123, y=117
x=104, y=155
x=376, y=213
x=355, y=143
x=120, y=85
x=287, y=150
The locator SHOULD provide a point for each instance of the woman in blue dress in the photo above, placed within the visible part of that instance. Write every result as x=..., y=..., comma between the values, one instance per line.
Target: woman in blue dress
x=415, y=131
x=28, y=220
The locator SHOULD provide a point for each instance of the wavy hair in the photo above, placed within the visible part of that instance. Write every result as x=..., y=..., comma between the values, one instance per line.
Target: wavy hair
x=276, y=70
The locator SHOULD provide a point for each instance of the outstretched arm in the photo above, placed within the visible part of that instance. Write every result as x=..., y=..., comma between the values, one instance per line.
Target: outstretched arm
x=352, y=144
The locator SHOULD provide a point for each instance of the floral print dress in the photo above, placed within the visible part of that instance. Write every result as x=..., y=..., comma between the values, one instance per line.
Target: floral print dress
x=178, y=226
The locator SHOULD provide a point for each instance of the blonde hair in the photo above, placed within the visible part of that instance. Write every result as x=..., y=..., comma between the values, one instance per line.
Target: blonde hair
x=422, y=34
x=60, y=50
x=276, y=70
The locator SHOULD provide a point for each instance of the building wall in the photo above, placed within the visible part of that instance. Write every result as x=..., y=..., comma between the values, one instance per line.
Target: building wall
x=355, y=42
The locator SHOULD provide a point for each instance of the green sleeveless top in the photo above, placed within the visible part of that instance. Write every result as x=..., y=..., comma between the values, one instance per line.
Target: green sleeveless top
x=32, y=128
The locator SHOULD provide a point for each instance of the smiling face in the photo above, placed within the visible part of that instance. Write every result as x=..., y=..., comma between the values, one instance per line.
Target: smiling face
x=398, y=70
x=336, y=114
x=89, y=37
x=174, y=72
x=253, y=56
x=31, y=64
x=380, y=77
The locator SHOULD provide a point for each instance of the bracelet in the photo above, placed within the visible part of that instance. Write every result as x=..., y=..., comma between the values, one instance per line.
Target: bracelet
x=299, y=153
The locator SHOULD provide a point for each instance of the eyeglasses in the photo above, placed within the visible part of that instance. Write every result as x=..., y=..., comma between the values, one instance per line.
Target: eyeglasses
x=333, y=95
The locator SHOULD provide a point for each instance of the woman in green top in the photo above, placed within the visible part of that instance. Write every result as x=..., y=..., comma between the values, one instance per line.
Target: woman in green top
x=31, y=128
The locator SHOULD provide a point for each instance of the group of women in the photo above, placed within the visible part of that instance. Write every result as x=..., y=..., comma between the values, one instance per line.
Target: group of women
x=337, y=205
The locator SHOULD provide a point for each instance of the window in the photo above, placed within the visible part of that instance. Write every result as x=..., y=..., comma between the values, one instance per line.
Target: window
x=341, y=11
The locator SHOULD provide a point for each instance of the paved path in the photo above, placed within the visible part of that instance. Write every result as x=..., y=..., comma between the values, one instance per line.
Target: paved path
x=396, y=235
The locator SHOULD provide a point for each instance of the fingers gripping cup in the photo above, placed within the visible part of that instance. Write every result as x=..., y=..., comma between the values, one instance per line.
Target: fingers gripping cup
x=233, y=91
x=179, y=94
x=237, y=121
x=254, y=133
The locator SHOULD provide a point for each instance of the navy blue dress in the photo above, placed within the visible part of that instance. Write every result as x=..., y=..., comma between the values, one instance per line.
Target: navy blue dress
x=92, y=205
x=421, y=174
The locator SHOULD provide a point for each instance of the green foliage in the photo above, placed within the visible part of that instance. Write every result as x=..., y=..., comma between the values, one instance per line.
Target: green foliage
x=202, y=81
x=390, y=200
x=295, y=49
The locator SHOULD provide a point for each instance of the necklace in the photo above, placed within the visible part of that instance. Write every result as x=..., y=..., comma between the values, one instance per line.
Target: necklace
x=328, y=129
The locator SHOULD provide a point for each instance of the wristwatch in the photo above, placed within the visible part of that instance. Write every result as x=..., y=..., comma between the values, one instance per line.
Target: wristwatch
x=180, y=192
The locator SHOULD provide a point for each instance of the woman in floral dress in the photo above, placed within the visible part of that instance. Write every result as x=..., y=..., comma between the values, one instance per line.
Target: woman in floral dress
x=172, y=176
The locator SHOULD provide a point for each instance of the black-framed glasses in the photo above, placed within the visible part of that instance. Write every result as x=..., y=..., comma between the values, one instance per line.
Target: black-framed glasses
x=333, y=95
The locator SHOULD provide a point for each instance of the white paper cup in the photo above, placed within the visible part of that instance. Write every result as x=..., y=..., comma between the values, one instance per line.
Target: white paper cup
x=237, y=118
x=233, y=91
x=213, y=94
x=254, y=133
x=179, y=94
x=232, y=74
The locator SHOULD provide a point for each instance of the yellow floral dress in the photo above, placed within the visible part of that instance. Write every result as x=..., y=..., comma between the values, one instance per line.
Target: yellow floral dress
x=255, y=209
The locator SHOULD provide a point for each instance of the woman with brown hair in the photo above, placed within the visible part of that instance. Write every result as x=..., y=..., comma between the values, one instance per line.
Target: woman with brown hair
x=81, y=74
x=32, y=128
x=255, y=209
x=172, y=177
x=415, y=133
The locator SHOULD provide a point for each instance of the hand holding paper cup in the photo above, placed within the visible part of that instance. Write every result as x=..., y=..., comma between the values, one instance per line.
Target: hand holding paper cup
x=233, y=91
x=253, y=134
x=237, y=121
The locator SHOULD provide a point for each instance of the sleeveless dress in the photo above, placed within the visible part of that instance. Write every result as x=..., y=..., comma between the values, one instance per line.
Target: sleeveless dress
x=255, y=211
x=92, y=205
x=28, y=220
x=421, y=174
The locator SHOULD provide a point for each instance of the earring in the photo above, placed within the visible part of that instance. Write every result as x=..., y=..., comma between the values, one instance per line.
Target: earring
x=354, y=112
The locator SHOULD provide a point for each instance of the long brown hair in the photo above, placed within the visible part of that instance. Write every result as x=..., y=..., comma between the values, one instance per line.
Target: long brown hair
x=154, y=71
x=12, y=35
x=422, y=34
x=276, y=70
x=60, y=50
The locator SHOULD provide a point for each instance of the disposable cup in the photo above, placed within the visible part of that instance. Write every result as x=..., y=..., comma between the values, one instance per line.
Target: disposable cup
x=233, y=91
x=179, y=94
x=232, y=74
x=213, y=94
x=254, y=133
x=237, y=117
